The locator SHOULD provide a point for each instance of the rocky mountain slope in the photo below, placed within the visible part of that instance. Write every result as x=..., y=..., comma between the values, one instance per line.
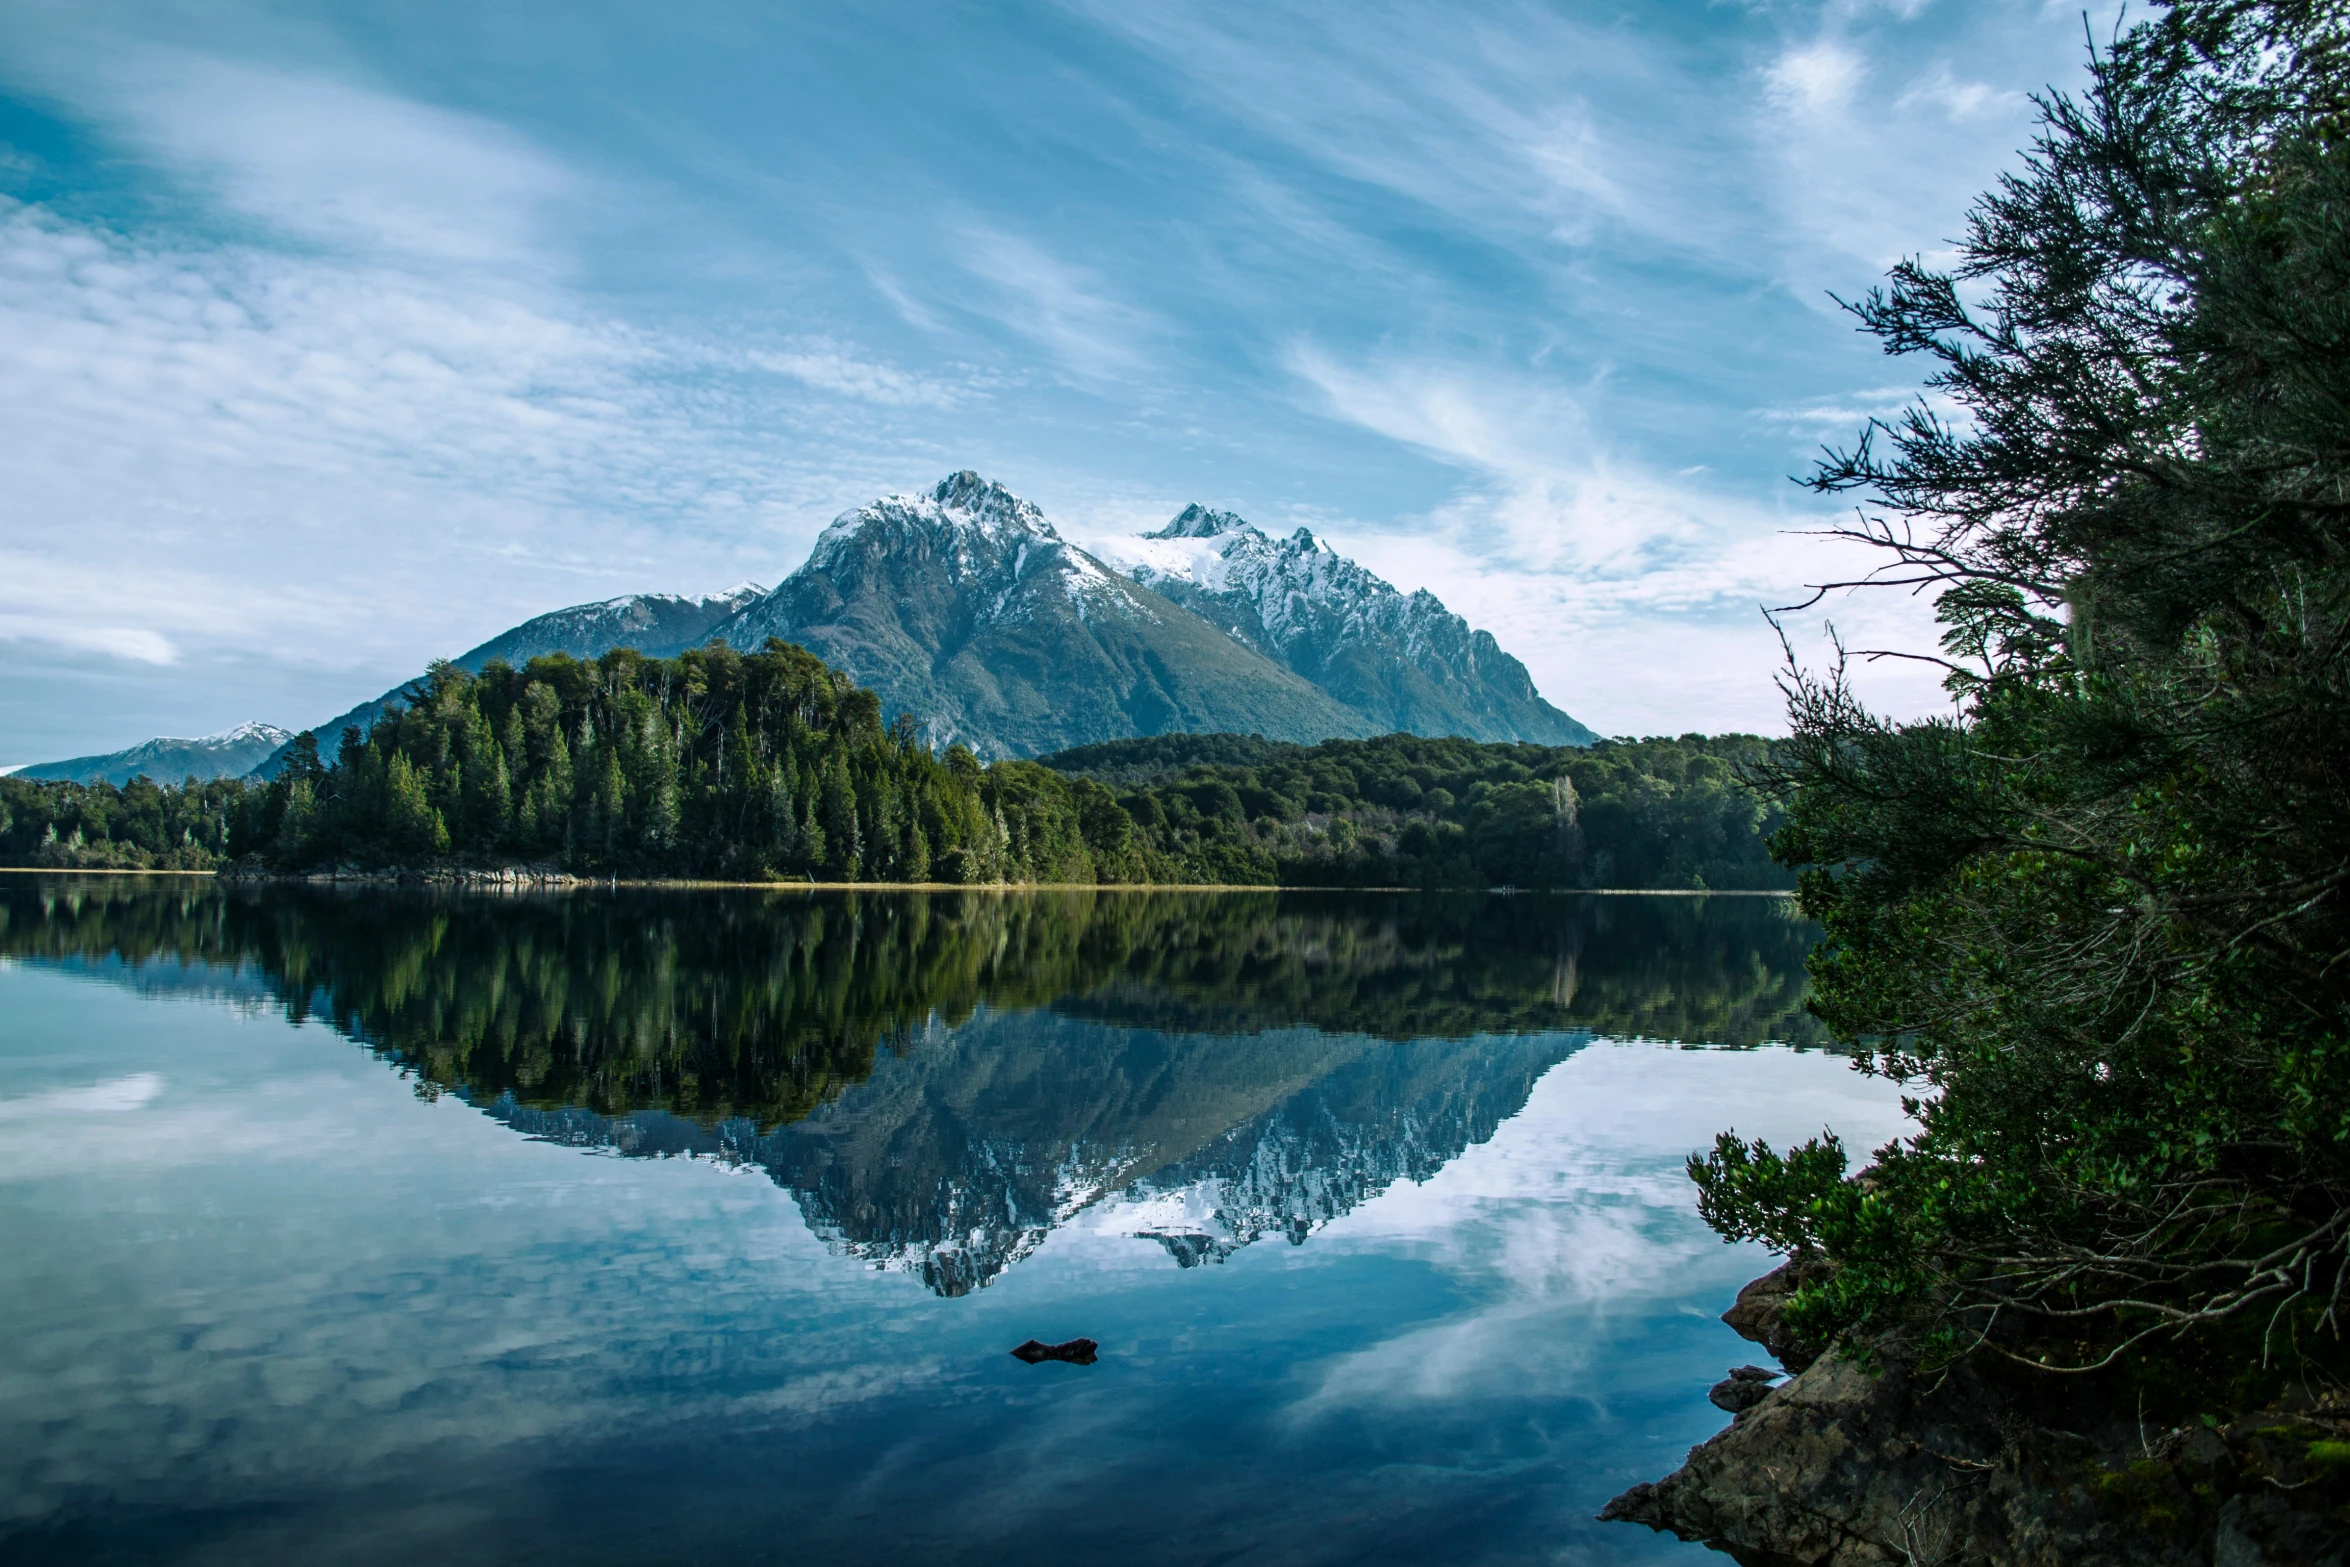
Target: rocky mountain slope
x=966, y=608
x=1404, y=661
x=228, y=755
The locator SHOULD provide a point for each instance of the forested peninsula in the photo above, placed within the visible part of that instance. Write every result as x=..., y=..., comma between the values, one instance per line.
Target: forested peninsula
x=2090, y=1310
x=772, y=766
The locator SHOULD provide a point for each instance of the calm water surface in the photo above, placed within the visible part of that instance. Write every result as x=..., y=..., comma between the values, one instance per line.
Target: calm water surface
x=696, y=1227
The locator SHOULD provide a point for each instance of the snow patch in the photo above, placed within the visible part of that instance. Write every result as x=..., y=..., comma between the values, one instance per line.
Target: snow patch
x=253, y=730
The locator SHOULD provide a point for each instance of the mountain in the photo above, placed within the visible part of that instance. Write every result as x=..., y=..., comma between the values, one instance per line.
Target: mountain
x=657, y=623
x=1405, y=661
x=964, y=607
x=227, y=755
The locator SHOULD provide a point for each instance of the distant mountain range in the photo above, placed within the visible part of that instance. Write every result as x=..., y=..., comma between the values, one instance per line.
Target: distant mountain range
x=229, y=755
x=966, y=608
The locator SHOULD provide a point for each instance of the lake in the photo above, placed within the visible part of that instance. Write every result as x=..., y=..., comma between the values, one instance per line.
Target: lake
x=697, y=1226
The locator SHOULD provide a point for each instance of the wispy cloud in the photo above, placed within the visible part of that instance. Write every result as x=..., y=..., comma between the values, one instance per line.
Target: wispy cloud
x=135, y=644
x=112, y=1097
x=229, y=449
x=326, y=161
x=1576, y=1208
x=1488, y=121
x=1961, y=100
x=1062, y=307
x=1817, y=78
x=830, y=367
x=1628, y=593
x=1552, y=496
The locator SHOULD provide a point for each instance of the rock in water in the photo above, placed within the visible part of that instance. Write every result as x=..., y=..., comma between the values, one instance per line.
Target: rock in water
x=1759, y=1315
x=1078, y=1351
x=1742, y=1389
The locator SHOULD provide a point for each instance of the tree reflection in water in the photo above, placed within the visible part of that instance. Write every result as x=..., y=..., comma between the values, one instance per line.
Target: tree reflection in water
x=942, y=1079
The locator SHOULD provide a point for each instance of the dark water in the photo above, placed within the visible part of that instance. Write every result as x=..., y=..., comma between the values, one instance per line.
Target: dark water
x=697, y=1227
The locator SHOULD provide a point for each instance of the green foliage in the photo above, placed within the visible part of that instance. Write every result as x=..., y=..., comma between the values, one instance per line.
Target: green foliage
x=713, y=764
x=2097, y=916
x=138, y=826
x=1748, y=1193
x=1404, y=810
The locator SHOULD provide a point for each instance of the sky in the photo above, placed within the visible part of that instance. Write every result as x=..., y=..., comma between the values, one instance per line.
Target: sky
x=337, y=338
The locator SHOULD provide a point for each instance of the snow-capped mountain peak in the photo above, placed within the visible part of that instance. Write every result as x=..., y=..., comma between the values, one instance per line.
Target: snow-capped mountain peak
x=981, y=533
x=965, y=607
x=1201, y=522
x=1404, y=659
x=959, y=503
x=990, y=505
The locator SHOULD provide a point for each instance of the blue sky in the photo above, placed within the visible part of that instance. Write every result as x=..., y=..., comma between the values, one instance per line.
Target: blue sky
x=337, y=338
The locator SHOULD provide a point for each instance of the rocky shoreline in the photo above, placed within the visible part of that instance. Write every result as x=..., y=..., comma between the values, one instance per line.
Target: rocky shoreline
x=1854, y=1464
x=495, y=878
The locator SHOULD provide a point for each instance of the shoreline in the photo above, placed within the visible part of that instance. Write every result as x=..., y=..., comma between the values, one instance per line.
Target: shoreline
x=1854, y=1458
x=572, y=883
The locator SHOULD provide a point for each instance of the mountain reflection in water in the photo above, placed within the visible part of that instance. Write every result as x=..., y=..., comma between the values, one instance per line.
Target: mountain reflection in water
x=958, y=1157
x=1210, y=1068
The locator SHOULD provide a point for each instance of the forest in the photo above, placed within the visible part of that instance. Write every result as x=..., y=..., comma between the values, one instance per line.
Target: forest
x=771, y=766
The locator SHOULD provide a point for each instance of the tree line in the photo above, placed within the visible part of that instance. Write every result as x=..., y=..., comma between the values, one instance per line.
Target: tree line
x=773, y=766
x=1405, y=810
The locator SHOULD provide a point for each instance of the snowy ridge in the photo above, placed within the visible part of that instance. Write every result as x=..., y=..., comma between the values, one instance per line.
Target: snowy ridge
x=656, y=623
x=168, y=760
x=243, y=734
x=967, y=611
x=987, y=539
x=1402, y=658
x=1291, y=1175
x=983, y=1221
x=1293, y=585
